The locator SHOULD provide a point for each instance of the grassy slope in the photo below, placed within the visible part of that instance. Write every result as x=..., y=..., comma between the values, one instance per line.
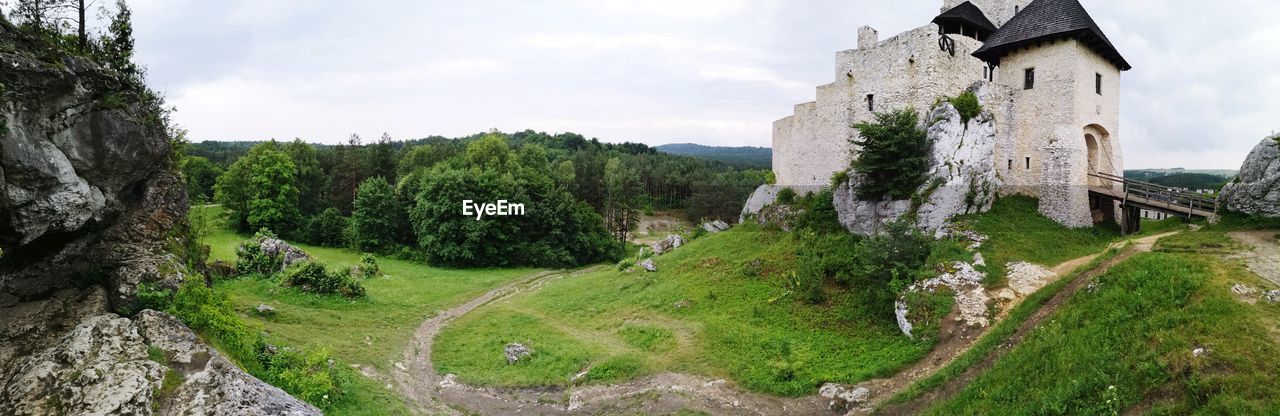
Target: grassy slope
x=624, y=325
x=740, y=327
x=1137, y=332
x=371, y=331
x=1018, y=233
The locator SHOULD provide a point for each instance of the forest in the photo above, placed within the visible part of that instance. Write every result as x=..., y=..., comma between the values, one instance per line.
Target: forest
x=403, y=198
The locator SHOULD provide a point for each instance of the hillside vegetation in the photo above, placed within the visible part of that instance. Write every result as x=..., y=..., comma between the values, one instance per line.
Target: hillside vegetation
x=744, y=157
x=1160, y=333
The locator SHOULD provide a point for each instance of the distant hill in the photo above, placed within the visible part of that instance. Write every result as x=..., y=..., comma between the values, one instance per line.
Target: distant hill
x=1183, y=178
x=747, y=157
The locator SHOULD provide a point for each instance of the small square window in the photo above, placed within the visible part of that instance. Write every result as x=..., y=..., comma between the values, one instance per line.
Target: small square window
x=1098, y=83
x=871, y=102
x=1029, y=81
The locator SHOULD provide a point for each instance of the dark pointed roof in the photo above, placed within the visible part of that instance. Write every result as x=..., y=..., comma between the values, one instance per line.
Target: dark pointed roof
x=966, y=13
x=1046, y=20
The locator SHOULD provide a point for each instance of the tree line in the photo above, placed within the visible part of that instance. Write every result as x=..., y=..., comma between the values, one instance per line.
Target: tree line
x=584, y=197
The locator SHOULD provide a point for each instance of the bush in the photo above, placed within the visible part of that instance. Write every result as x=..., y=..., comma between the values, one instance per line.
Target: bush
x=313, y=277
x=327, y=229
x=819, y=214
x=786, y=196
x=251, y=260
x=369, y=266
x=967, y=104
x=309, y=375
x=876, y=268
x=894, y=156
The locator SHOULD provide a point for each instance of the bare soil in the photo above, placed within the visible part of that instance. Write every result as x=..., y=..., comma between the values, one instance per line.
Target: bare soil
x=1264, y=259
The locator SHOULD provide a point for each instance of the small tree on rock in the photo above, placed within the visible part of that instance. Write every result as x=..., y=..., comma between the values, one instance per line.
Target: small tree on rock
x=894, y=156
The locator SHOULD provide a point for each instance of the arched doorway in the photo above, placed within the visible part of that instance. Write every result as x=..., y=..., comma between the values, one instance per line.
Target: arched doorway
x=1098, y=145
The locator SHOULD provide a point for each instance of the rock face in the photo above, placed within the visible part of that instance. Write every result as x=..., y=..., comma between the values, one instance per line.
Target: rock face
x=87, y=191
x=103, y=364
x=961, y=178
x=91, y=207
x=1256, y=190
x=767, y=195
x=288, y=254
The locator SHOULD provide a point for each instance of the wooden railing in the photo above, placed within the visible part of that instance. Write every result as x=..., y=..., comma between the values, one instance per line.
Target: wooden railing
x=1160, y=196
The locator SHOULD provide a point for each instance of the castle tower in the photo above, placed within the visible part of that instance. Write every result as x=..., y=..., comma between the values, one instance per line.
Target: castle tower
x=999, y=11
x=1064, y=78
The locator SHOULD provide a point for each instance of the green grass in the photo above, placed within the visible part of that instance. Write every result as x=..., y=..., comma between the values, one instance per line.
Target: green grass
x=1128, y=345
x=371, y=331
x=1018, y=232
x=1204, y=241
x=701, y=313
x=998, y=334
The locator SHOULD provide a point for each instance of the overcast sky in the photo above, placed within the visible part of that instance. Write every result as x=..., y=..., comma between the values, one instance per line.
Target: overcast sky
x=1204, y=90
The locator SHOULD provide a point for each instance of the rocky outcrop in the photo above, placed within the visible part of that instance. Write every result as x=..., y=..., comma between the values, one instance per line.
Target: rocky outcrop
x=90, y=208
x=672, y=242
x=1256, y=190
x=279, y=249
x=106, y=364
x=961, y=178
x=87, y=191
x=766, y=196
x=715, y=226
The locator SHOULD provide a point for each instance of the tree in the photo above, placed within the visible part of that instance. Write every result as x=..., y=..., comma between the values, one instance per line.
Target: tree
x=622, y=199
x=117, y=44
x=310, y=178
x=327, y=229
x=449, y=238
x=376, y=220
x=490, y=152
x=260, y=188
x=382, y=159
x=201, y=177
x=349, y=170
x=893, y=156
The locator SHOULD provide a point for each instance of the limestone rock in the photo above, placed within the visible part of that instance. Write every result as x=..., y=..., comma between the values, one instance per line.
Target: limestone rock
x=672, y=242
x=715, y=226
x=1243, y=290
x=848, y=395
x=286, y=253
x=1271, y=296
x=1256, y=190
x=1027, y=278
x=648, y=265
x=961, y=178
x=515, y=351
x=970, y=296
x=265, y=309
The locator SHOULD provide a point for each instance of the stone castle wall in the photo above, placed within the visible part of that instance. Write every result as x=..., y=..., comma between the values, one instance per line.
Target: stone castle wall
x=999, y=11
x=907, y=70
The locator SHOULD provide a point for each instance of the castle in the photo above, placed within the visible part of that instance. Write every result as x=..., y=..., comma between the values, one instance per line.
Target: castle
x=1043, y=69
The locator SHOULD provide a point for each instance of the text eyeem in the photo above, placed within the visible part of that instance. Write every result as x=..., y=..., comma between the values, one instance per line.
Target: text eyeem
x=502, y=208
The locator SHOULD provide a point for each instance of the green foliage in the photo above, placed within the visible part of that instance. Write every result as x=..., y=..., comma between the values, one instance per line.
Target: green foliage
x=327, y=229
x=622, y=198
x=1018, y=232
x=314, y=277
x=309, y=175
x=770, y=178
x=720, y=197
x=117, y=43
x=880, y=266
x=369, y=266
x=967, y=104
x=377, y=220
x=201, y=176
x=309, y=375
x=894, y=156
x=786, y=196
x=819, y=214
x=251, y=260
x=839, y=178
x=743, y=157
x=260, y=188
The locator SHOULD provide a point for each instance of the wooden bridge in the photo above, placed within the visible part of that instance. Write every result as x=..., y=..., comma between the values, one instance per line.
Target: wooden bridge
x=1135, y=196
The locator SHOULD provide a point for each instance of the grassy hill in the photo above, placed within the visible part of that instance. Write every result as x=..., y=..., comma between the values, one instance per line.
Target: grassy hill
x=745, y=157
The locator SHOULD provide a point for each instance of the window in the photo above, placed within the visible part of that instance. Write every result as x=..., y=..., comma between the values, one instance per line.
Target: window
x=871, y=102
x=1010, y=164
x=1028, y=163
x=1030, y=79
x=1098, y=83
x=1016, y=9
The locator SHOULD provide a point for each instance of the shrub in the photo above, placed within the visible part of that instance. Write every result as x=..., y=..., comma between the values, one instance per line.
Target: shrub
x=309, y=375
x=967, y=104
x=839, y=178
x=894, y=156
x=772, y=178
x=313, y=277
x=819, y=214
x=250, y=259
x=327, y=229
x=369, y=266
x=786, y=196
x=878, y=268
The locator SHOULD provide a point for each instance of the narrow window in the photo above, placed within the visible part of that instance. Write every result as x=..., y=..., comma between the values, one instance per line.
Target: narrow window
x=871, y=102
x=1010, y=164
x=1028, y=163
x=1098, y=83
x=1030, y=79
x=1016, y=9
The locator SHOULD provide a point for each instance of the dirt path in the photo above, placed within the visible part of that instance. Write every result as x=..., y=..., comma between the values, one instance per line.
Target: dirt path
x=1264, y=259
x=904, y=379
x=431, y=393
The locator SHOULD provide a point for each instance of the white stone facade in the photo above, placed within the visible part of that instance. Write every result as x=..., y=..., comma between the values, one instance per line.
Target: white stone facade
x=1047, y=139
